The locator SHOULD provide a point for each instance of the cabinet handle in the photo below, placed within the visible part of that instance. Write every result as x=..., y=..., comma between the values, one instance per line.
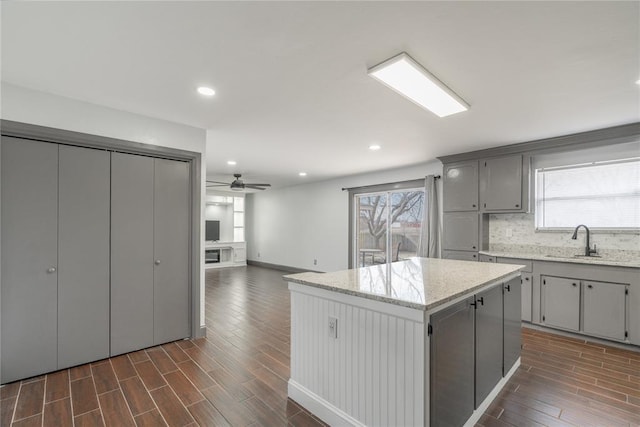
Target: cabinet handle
x=589, y=286
x=51, y=270
x=508, y=288
x=574, y=285
x=157, y=262
x=473, y=247
x=517, y=206
x=474, y=255
x=481, y=300
x=473, y=206
x=526, y=278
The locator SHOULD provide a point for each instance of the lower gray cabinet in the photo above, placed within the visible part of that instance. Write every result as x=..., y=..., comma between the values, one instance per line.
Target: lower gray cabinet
x=526, y=280
x=452, y=365
x=512, y=291
x=604, y=309
x=561, y=302
x=460, y=255
x=489, y=335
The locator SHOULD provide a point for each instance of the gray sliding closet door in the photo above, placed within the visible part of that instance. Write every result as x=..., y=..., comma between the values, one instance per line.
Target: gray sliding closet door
x=83, y=256
x=171, y=251
x=131, y=252
x=29, y=257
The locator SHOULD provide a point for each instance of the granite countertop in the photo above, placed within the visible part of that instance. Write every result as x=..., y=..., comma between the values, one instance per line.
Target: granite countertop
x=615, y=261
x=420, y=283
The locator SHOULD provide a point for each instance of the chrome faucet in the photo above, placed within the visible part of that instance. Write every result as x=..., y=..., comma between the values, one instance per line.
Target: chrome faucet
x=587, y=250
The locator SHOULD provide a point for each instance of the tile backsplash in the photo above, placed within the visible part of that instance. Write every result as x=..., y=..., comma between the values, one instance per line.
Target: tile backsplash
x=523, y=234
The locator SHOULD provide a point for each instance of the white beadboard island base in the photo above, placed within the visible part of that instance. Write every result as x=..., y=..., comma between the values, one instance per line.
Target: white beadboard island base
x=376, y=371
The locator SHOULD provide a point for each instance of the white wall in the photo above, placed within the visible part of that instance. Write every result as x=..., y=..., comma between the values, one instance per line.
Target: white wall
x=292, y=226
x=28, y=106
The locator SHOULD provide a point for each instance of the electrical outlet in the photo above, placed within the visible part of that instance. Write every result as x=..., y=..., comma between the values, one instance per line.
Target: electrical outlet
x=333, y=327
x=315, y=262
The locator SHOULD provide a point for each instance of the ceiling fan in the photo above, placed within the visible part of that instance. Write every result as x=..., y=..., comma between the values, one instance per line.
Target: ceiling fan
x=237, y=184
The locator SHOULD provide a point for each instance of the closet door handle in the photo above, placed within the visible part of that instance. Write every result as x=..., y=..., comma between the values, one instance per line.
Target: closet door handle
x=51, y=270
x=157, y=262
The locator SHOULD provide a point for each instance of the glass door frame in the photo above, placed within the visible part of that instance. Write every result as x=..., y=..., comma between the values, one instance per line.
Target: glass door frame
x=415, y=184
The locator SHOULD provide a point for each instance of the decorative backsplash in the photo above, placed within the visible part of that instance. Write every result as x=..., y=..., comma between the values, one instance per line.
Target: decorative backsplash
x=524, y=238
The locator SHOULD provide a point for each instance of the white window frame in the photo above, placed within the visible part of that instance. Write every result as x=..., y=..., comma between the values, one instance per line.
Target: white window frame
x=537, y=203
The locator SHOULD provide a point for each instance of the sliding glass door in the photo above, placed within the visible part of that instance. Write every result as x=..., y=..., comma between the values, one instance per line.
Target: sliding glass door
x=387, y=226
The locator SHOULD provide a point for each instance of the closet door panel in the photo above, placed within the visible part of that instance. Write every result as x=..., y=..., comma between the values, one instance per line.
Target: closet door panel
x=131, y=252
x=83, y=256
x=29, y=179
x=171, y=249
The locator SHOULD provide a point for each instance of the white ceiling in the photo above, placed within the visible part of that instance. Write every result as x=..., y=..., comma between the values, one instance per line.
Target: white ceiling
x=292, y=88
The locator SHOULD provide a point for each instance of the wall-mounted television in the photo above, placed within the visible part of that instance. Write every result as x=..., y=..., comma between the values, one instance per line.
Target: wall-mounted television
x=212, y=232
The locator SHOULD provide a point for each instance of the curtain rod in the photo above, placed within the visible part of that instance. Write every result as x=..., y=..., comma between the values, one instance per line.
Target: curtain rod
x=378, y=185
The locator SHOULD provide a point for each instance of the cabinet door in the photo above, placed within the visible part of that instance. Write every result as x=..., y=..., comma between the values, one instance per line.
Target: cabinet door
x=451, y=370
x=460, y=255
x=489, y=353
x=131, y=252
x=460, y=187
x=604, y=309
x=83, y=256
x=29, y=258
x=561, y=299
x=512, y=322
x=501, y=184
x=527, y=280
x=487, y=258
x=460, y=231
x=239, y=254
x=171, y=251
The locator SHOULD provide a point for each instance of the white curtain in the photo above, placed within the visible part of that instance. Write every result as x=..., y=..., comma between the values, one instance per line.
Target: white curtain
x=430, y=231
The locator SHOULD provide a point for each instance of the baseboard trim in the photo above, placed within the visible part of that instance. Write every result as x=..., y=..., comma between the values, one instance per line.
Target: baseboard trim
x=320, y=407
x=201, y=332
x=285, y=268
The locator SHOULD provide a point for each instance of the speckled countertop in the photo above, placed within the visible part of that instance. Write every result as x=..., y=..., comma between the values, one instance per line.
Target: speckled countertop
x=616, y=261
x=420, y=283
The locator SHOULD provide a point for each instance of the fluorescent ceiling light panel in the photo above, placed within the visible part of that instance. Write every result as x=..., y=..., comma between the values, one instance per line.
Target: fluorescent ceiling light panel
x=404, y=75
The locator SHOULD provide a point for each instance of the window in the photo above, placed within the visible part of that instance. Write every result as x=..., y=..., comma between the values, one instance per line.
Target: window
x=386, y=225
x=600, y=195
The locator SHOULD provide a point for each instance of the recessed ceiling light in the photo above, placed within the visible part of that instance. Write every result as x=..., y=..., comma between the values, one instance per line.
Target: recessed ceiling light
x=374, y=147
x=638, y=82
x=302, y=174
x=206, y=91
x=411, y=80
x=231, y=163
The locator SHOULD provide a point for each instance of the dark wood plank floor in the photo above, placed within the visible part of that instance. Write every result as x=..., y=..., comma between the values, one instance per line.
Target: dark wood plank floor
x=237, y=375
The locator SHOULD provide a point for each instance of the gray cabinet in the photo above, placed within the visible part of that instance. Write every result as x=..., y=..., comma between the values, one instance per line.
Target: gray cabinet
x=604, y=309
x=460, y=255
x=460, y=187
x=452, y=365
x=512, y=291
x=149, y=252
x=526, y=280
x=489, y=335
x=460, y=231
x=561, y=302
x=501, y=184
x=55, y=257
x=486, y=258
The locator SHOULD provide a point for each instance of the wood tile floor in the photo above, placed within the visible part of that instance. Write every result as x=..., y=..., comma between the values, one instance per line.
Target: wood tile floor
x=237, y=375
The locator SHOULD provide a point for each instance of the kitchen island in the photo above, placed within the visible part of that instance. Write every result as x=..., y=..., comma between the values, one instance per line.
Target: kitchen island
x=411, y=343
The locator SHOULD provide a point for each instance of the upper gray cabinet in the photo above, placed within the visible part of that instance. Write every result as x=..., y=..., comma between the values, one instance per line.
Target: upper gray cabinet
x=502, y=187
x=460, y=231
x=460, y=186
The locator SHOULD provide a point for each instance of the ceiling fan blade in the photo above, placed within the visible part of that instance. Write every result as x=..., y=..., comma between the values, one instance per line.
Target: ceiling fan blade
x=217, y=182
x=254, y=187
x=260, y=185
x=217, y=185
